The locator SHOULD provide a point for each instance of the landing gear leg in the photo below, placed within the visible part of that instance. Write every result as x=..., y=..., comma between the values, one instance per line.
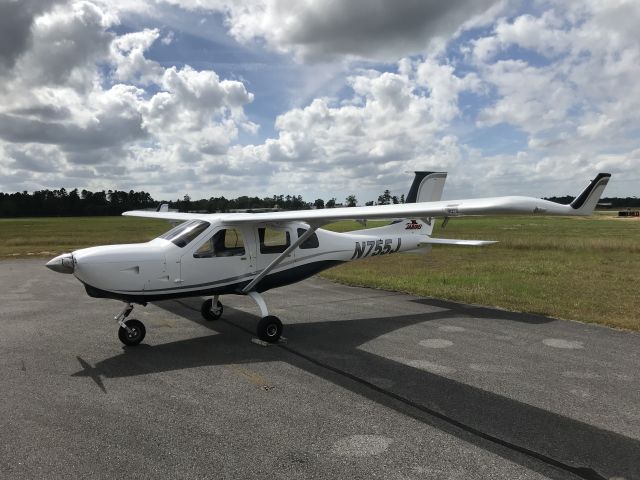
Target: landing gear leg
x=131, y=332
x=211, y=309
x=269, y=327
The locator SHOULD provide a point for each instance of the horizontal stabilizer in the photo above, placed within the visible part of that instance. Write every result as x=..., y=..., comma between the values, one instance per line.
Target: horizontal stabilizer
x=453, y=241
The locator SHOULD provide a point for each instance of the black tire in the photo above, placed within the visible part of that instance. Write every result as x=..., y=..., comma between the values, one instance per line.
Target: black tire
x=269, y=329
x=206, y=312
x=134, y=335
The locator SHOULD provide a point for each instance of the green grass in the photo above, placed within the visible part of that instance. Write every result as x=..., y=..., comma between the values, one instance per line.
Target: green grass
x=52, y=235
x=573, y=268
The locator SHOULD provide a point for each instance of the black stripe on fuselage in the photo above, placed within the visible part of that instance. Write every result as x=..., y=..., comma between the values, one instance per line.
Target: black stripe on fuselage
x=273, y=280
x=246, y=276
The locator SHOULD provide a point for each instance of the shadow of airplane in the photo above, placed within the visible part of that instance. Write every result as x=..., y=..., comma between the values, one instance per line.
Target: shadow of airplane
x=479, y=311
x=543, y=441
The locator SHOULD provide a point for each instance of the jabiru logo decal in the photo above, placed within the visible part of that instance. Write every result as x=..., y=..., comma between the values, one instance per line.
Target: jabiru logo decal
x=413, y=225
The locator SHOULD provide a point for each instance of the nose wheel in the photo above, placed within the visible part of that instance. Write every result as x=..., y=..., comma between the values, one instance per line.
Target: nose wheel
x=131, y=332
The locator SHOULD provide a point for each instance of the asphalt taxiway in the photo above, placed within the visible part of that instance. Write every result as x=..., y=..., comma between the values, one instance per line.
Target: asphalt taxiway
x=370, y=384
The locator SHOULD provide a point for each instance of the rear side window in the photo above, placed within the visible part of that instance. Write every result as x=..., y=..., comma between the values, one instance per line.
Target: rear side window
x=224, y=243
x=311, y=242
x=184, y=233
x=273, y=241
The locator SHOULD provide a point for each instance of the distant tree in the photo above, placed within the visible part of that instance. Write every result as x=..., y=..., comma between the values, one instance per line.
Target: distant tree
x=297, y=203
x=369, y=204
x=385, y=198
x=402, y=198
x=395, y=200
x=319, y=203
x=184, y=205
x=241, y=202
x=331, y=203
x=218, y=204
x=351, y=201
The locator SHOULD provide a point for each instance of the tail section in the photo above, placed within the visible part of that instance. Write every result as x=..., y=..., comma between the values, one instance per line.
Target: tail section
x=426, y=187
x=586, y=202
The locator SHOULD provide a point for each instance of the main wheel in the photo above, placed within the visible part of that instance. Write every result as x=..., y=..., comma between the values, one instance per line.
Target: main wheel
x=135, y=333
x=210, y=313
x=269, y=329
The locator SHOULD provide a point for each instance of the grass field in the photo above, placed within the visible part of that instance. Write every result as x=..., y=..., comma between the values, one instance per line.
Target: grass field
x=23, y=237
x=573, y=268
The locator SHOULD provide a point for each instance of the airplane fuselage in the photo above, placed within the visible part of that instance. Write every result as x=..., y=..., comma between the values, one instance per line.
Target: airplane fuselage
x=162, y=268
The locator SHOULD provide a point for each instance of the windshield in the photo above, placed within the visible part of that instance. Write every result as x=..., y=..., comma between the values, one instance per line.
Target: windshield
x=185, y=232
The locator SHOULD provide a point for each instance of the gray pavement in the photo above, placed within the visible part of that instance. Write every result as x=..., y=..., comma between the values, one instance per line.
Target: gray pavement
x=370, y=384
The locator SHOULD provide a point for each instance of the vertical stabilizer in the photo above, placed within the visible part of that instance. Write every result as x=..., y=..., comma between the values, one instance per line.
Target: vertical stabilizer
x=426, y=187
x=585, y=203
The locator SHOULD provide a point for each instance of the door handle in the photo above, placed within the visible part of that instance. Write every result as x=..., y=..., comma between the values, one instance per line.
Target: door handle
x=243, y=258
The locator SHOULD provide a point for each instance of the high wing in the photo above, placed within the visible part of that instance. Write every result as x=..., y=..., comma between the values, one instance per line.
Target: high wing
x=583, y=205
x=167, y=215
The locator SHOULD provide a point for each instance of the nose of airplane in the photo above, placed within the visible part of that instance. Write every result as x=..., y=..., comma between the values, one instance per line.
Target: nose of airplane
x=62, y=263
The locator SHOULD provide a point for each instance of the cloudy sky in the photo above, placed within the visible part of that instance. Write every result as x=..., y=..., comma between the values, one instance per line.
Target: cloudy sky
x=319, y=97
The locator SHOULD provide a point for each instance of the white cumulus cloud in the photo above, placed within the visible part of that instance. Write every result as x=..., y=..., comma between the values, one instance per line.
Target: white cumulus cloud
x=316, y=30
x=421, y=85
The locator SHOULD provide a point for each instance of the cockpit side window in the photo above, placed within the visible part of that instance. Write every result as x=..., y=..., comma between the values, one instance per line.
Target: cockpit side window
x=311, y=242
x=184, y=233
x=224, y=243
x=273, y=241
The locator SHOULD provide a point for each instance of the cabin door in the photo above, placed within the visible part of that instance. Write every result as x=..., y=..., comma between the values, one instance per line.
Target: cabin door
x=222, y=259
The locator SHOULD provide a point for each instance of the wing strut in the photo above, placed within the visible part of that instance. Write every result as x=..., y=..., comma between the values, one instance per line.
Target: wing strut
x=312, y=229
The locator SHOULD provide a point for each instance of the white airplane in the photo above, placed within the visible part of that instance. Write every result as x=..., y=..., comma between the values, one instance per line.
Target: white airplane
x=250, y=253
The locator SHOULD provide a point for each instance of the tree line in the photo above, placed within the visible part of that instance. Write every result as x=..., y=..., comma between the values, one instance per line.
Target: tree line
x=605, y=202
x=49, y=203
x=43, y=203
